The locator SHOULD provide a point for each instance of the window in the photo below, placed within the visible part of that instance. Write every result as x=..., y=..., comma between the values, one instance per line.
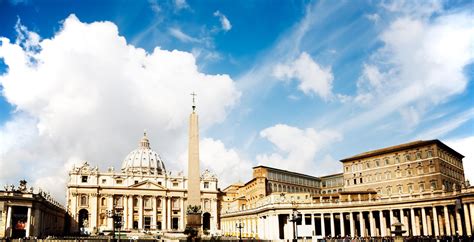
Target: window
x=147, y=202
x=410, y=188
x=368, y=165
x=418, y=155
x=387, y=162
x=407, y=157
x=83, y=201
x=119, y=181
x=400, y=189
x=103, y=201
x=136, y=182
x=430, y=153
x=377, y=163
x=397, y=160
x=175, y=203
x=409, y=172
x=420, y=170
x=389, y=190
x=432, y=169
x=422, y=187
x=175, y=184
x=84, y=179
x=206, y=184
x=159, y=183
x=433, y=185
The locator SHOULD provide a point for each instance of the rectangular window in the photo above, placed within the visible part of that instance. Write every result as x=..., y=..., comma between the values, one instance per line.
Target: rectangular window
x=119, y=181
x=104, y=181
x=175, y=184
x=136, y=182
x=84, y=179
x=206, y=184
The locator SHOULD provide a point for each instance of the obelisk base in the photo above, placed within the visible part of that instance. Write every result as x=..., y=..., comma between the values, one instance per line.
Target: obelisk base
x=193, y=226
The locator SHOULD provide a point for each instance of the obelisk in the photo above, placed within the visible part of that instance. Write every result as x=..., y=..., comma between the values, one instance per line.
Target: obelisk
x=194, y=179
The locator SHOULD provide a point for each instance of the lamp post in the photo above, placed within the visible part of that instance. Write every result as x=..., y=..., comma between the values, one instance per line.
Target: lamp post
x=116, y=221
x=239, y=226
x=295, y=217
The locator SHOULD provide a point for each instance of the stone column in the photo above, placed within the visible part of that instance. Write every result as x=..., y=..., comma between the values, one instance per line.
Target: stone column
x=383, y=230
x=323, y=226
x=471, y=210
x=168, y=213
x=459, y=222
x=154, y=218
x=413, y=222
x=125, y=211
x=436, y=223
x=140, y=212
x=372, y=223
x=391, y=221
x=28, y=222
x=9, y=221
x=333, y=229
x=417, y=224
x=406, y=222
x=468, y=220
x=130, y=212
x=181, y=212
x=352, y=224
x=163, y=213
x=341, y=223
x=362, y=224
x=93, y=210
x=446, y=221
x=423, y=219
x=110, y=207
x=452, y=222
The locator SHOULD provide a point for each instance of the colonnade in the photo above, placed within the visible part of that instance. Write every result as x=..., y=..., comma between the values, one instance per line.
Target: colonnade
x=423, y=220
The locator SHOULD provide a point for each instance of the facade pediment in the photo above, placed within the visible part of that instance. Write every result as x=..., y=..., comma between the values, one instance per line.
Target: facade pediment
x=147, y=185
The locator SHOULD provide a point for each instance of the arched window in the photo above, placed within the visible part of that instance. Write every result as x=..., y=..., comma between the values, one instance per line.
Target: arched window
x=103, y=201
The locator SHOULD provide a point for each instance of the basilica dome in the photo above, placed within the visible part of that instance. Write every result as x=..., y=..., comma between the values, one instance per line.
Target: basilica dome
x=143, y=160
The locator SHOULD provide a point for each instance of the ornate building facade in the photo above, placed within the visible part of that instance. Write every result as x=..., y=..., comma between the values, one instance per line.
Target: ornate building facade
x=143, y=192
x=25, y=213
x=419, y=184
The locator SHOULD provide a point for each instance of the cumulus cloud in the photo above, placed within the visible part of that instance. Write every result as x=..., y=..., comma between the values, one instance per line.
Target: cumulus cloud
x=312, y=78
x=296, y=148
x=225, y=162
x=225, y=23
x=419, y=66
x=88, y=95
x=464, y=146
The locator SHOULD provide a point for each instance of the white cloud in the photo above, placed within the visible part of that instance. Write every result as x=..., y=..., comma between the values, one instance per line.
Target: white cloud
x=441, y=129
x=225, y=23
x=311, y=76
x=419, y=66
x=296, y=149
x=373, y=17
x=155, y=7
x=464, y=146
x=88, y=95
x=183, y=37
x=180, y=4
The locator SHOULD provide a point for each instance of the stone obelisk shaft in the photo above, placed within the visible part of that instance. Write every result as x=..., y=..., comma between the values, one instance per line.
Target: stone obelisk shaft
x=194, y=179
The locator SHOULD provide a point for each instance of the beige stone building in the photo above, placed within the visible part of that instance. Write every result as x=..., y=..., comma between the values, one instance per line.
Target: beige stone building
x=148, y=197
x=420, y=184
x=25, y=213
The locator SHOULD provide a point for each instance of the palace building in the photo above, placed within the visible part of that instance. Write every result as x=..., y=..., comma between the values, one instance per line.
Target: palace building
x=419, y=184
x=147, y=197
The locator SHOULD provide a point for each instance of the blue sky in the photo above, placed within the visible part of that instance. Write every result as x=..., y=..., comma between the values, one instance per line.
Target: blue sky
x=292, y=84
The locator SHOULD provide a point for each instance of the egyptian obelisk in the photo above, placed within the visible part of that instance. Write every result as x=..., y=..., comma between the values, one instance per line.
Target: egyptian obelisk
x=194, y=179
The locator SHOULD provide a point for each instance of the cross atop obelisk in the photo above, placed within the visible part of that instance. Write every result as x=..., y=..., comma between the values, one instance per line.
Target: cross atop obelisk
x=194, y=101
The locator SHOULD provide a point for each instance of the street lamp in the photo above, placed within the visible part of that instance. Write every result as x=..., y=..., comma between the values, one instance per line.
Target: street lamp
x=295, y=217
x=116, y=217
x=239, y=226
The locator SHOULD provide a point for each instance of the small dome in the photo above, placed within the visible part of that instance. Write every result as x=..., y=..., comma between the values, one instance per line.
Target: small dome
x=144, y=160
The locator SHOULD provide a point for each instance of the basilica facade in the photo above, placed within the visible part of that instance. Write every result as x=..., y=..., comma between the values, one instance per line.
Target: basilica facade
x=148, y=198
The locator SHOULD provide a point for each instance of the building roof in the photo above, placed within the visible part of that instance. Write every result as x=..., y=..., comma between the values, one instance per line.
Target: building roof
x=288, y=172
x=402, y=147
x=332, y=175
